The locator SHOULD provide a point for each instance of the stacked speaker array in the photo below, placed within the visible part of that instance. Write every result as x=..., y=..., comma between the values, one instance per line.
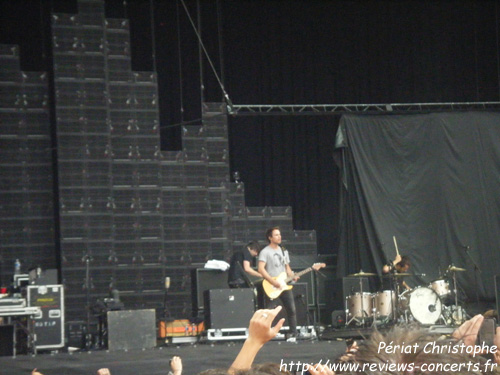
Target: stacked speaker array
x=130, y=214
x=26, y=184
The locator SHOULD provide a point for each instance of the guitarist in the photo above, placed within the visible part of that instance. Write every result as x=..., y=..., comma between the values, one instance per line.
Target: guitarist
x=241, y=264
x=273, y=260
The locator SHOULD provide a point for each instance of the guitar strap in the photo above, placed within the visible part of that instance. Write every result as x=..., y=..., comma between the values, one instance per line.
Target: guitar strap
x=283, y=252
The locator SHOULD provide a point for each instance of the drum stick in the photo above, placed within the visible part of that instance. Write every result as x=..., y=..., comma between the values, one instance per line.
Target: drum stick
x=395, y=245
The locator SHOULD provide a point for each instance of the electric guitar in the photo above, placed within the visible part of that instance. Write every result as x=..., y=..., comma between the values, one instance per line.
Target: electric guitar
x=274, y=292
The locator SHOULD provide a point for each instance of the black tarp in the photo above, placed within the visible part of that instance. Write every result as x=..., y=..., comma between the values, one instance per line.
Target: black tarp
x=432, y=181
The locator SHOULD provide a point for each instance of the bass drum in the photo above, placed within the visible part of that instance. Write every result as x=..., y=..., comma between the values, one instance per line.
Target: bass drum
x=423, y=304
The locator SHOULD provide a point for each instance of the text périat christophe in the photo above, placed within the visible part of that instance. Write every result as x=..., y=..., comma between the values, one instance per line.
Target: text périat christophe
x=436, y=348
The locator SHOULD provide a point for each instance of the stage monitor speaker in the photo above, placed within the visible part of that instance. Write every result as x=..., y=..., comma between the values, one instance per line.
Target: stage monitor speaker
x=131, y=329
x=300, y=296
x=229, y=308
x=7, y=340
x=204, y=279
x=49, y=325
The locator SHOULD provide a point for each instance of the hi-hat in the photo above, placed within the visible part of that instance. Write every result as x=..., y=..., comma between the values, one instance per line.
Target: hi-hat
x=361, y=274
x=456, y=269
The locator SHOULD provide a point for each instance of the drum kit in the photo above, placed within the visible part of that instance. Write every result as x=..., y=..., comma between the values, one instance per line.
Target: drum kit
x=427, y=305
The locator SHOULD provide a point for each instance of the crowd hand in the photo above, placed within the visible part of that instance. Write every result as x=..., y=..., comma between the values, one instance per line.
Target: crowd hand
x=319, y=369
x=469, y=330
x=35, y=372
x=260, y=330
x=176, y=365
x=103, y=371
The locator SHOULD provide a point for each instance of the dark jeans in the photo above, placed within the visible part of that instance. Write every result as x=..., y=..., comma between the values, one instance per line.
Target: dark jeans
x=289, y=304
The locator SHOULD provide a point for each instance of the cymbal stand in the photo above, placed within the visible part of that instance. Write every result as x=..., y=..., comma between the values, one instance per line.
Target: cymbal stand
x=363, y=313
x=455, y=290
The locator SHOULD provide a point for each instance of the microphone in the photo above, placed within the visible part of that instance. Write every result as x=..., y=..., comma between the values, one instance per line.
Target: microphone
x=432, y=308
x=167, y=282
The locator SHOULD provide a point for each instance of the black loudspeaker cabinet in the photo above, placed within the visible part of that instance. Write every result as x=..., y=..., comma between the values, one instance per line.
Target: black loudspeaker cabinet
x=49, y=325
x=300, y=291
x=7, y=340
x=229, y=308
x=300, y=262
x=131, y=329
x=204, y=279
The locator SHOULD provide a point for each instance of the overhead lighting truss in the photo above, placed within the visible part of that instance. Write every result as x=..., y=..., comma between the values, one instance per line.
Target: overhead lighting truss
x=334, y=109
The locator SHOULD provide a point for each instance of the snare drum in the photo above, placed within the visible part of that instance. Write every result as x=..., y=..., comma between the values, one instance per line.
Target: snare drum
x=441, y=287
x=360, y=305
x=383, y=303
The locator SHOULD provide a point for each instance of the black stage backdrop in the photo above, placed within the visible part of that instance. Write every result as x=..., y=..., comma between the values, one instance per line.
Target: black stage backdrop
x=430, y=180
x=288, y=162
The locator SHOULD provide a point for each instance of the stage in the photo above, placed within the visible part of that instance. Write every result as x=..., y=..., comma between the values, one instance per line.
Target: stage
x=196, y=358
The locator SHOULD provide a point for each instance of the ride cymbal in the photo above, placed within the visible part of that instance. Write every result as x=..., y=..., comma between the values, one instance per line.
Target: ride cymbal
x=361, y=274
x=456, y=269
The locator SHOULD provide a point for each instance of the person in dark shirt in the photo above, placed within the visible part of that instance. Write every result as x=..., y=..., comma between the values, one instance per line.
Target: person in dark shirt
x=241, y=266
x=400, y=265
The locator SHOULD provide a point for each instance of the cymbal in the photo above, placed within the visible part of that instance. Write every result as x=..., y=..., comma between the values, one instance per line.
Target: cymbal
x=361, y=274
x=456, y=269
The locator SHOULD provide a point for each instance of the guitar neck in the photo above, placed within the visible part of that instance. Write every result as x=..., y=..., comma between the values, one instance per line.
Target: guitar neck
x=298, y=274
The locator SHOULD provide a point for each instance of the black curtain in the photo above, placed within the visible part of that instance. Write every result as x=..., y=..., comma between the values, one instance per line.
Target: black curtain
x=432, y=181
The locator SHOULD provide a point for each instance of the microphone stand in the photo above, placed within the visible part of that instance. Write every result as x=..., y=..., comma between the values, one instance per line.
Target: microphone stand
x=317, y=316
x=166, y=311
x=476, y=269
x=88, y=284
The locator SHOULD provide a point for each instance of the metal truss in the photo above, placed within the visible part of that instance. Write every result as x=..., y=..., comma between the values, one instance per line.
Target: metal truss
x=335, y=109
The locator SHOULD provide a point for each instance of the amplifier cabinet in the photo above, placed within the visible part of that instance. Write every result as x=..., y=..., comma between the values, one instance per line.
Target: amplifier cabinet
x=49, y=325
x=228, y=308
x=204, y=279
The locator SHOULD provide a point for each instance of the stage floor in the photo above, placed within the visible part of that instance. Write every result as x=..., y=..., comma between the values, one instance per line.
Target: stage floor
x=196, y=358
